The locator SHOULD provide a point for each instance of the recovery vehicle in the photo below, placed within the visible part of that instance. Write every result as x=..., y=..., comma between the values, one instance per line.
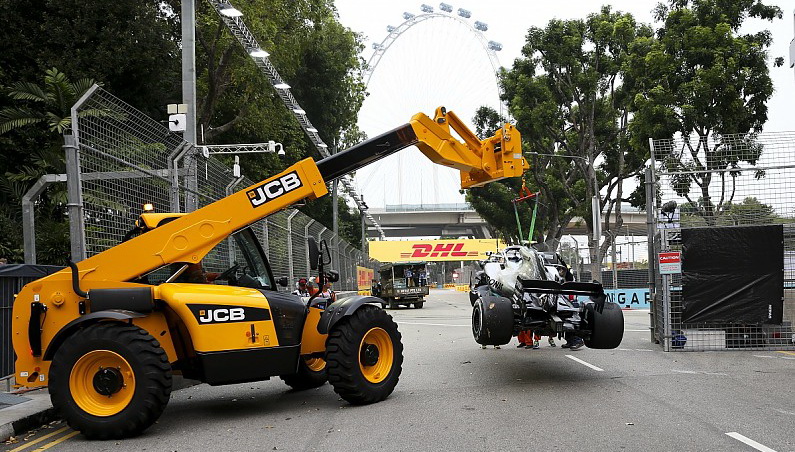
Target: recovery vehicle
x=516, y=292
x=395, y=289
x=106, y=334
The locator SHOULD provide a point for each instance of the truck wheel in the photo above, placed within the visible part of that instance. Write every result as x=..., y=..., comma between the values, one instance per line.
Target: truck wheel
x=393, y=303
x=492, y=321
x=418, y=304
x=607, y=327
x=110, y=380
x=365, y=356
x=311, y=374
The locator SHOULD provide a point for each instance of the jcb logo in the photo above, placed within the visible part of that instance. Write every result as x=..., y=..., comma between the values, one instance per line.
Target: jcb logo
x=222, y=315
x=440, y=250
x=273, y=189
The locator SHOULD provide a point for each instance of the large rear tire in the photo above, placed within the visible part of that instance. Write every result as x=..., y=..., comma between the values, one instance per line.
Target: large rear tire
x=365, y=356
x=492, y=321
x=110, y=380
x=418, y=304
x=607, y=327
x=311, y=374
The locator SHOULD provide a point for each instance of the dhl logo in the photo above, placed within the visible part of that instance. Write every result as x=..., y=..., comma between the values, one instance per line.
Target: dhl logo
x=440, y=250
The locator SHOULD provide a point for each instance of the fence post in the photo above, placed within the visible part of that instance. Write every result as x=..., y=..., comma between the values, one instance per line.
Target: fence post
x=306, y=248
x=77, y=233
x=650, y=201
x=290, y=244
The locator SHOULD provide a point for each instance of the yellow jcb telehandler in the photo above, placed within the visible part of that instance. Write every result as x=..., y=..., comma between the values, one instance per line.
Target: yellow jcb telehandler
x=106, y=334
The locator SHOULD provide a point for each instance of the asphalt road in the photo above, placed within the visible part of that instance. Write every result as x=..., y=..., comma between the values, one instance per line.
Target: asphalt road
x=453, y=395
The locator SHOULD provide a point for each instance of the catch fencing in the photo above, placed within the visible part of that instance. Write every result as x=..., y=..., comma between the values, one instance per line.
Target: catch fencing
x=725, y=186
x=125, y=159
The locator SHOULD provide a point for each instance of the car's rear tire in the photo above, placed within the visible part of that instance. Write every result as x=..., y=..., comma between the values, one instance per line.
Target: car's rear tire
x=364, y=356
x=110, y=380
x=492, y=321
x=607, y=327
x=311, y=374
x=418, y=304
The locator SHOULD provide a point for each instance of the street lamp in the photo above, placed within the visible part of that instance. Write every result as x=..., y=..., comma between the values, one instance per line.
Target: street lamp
x=595, y=208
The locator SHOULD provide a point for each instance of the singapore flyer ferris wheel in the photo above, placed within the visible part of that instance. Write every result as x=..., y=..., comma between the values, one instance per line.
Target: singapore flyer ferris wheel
x=437, y=57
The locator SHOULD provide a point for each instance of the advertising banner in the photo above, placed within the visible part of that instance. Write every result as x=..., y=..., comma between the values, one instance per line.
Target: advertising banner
x=364, y=277
x=433, y=250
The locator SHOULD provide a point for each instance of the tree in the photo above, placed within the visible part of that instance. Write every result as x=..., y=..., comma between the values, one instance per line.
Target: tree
x=48, y=105
x=703, y=79
x=567, y=97
x=314, y=54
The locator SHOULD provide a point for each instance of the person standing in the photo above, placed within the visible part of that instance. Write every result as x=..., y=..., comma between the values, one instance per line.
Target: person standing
x=408, y=275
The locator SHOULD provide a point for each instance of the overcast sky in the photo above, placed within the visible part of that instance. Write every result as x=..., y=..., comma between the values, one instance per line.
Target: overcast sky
x=443, y=64
x=509, y=20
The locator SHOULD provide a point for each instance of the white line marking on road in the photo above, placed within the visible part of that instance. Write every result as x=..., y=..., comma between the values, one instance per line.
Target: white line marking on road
x=699, y=372
x=763, y=356
x=644, y=350
x=637, y=331
x=784, y=412
x=429, y=324
x=624, y=349
x=750, y=442
x=598, y=369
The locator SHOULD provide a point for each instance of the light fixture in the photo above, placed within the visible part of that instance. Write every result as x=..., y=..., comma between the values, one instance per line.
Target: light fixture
x=148, y=207
x=281, y=86
x=299, y=111
x=258, y=53
x=322, y=145
x=226, y=9
x=311, y=129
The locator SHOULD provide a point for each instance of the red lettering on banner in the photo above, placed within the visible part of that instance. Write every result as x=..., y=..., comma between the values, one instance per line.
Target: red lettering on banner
x=457, y=251
x=422, y=250
x=442, y=248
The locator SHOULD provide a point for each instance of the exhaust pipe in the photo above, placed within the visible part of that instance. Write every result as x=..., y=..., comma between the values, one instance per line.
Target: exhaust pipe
x=76, y=279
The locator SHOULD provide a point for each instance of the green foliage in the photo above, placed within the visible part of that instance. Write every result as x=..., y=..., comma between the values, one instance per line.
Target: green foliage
x=567, y=97
x=703, y=77
x=50, y=104
x=133, y=47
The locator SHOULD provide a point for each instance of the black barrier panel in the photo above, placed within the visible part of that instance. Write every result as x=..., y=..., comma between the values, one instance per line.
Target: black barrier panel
x=12, y=279
x=733, y=275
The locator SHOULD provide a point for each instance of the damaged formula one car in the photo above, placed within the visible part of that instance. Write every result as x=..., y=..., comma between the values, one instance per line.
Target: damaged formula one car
x=516, y=291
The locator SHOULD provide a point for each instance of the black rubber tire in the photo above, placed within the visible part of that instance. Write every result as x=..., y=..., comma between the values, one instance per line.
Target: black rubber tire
x=150, y=367
x=342, y=356
x=492, y=321
x=393, y=304
x=305, y=378
x=607, y=327
x=419, y=304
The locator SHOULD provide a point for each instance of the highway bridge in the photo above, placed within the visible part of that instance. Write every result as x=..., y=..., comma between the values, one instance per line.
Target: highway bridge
x=461, y=220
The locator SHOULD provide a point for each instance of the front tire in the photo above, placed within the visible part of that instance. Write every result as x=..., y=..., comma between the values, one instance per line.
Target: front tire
x=365, y=356
x=110, y=380
x=311, y=374
x=418, y=304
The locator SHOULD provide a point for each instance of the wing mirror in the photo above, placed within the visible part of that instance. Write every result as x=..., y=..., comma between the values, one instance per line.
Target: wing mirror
x=314, y=253
x=282, y=281
x=333, y=276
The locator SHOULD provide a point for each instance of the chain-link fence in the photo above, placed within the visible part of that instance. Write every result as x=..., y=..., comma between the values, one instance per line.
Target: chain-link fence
x=126, y=159
x=727, y=207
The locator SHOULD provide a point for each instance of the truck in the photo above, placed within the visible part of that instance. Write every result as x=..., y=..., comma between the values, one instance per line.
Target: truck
x=107, y=334
x=396, y=289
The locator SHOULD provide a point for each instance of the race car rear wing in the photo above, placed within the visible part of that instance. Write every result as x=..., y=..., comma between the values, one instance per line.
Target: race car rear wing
x=594, y=290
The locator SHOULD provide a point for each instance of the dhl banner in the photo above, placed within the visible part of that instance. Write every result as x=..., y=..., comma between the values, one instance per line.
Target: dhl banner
x=433, y=250
x=364, y=277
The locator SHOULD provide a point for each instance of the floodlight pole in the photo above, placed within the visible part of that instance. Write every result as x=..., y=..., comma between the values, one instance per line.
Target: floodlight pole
x=188, y=20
